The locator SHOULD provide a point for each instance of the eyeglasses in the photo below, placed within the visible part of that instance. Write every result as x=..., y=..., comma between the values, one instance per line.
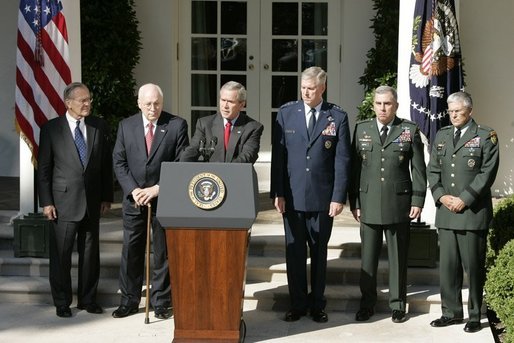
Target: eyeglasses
x=149, y=105
x=86, y=101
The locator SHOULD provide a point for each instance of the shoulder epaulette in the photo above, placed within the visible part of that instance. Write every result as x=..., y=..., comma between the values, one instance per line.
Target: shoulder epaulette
x=484, y=128
x=287, y=104
x=408, y=121
x=365, y=120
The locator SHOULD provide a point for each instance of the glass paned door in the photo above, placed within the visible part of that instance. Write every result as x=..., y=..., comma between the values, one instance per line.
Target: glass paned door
x=263, y=44
x=215, y=50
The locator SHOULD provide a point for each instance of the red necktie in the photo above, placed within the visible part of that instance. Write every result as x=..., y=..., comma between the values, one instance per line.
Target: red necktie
x=149, y=138
x=228, y=126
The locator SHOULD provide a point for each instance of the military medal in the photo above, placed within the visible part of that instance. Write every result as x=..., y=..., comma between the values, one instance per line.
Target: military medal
x=471, y=163
x=328, y=144
x=473, y=143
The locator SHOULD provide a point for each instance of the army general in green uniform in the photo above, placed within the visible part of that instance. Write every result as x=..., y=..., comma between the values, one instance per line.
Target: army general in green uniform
x=387, y=191
x=463, y=165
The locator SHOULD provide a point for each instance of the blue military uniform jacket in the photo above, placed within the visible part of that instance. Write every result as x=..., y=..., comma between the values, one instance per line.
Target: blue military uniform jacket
x=467, y=171
x=387, y=180
x=310, y=173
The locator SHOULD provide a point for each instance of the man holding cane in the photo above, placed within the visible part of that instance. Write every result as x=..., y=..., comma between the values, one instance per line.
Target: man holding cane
x=144, y=141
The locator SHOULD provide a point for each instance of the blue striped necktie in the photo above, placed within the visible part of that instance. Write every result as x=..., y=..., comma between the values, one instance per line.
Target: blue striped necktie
x=80, y=143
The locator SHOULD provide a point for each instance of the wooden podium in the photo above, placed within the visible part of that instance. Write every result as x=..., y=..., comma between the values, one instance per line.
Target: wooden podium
x=208, y=210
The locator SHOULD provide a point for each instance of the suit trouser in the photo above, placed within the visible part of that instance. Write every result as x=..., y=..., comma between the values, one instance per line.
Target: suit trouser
x=302, y=229
x=397, y=238
x=133, y=261
x=62, y=240
x=460, y=249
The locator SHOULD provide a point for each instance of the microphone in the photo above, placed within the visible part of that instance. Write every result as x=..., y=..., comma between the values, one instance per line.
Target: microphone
x=210, y=150
x=214, y=141
x=201, y=147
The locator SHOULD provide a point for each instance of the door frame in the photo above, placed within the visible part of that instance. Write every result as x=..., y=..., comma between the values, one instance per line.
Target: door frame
x=181, y=50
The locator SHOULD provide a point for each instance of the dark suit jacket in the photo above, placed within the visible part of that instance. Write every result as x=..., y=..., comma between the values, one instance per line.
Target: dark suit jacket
x=243, y=145
x=310, y=173
x=132, y=166
x=62, y=181
x=387, y=180
x=467, y=171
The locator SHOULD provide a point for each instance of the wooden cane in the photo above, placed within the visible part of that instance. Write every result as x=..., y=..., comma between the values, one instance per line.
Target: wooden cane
x=147, y=302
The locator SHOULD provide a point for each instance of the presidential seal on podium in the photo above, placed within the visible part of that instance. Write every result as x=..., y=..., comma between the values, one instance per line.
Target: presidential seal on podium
x=206, y=191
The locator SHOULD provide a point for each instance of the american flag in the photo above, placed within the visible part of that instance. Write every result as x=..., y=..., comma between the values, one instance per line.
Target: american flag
x=436, y=64
x=42, y=70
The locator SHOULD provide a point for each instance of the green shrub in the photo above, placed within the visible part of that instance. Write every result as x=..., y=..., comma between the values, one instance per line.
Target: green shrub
x=382, y=59
x=110, y=51
x=499, y=289
x=501, y=229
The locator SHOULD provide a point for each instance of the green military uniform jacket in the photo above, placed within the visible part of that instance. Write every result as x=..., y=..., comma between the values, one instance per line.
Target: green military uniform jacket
x=467, y=171
x=382, y=186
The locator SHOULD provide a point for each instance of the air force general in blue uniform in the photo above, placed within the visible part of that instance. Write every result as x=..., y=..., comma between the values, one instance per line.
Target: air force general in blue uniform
x=309, y=178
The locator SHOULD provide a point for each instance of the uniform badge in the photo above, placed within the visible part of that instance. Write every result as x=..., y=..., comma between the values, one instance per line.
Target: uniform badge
x=494, y=137
x=328, y=144
x=401, y=158
x=471, y=163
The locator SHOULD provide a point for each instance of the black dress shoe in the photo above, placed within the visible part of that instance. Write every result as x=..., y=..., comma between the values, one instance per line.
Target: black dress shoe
x=472, y=327
x=445, y=321
x=364, y=314
x=124, y=311
x=162, y=312
x=319, y=316
x=398, y=316
x=294, y=315
x=63, y=311
x=91, y=308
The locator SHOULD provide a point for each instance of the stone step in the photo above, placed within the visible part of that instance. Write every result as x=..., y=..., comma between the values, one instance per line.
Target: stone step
x=267, y=296
x=38, y=267
x=274, y=296
x=36, y=289
x=266, y=262
x=26, y=279
x=340, y=271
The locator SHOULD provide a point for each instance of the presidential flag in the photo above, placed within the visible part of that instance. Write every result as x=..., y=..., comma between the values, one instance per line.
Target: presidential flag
x=436, y=64
x=42, y=70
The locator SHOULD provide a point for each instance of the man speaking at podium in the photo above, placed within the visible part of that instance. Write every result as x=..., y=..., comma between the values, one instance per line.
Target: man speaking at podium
x=227, y=136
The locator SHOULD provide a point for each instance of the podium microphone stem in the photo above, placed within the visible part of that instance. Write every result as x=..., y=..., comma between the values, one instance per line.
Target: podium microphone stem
x=147, y=301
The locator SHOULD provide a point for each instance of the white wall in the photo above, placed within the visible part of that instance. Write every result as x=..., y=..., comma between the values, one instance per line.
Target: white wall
x=486, y=29
x=357, y=40
x=9, y=138
x=157, y=20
